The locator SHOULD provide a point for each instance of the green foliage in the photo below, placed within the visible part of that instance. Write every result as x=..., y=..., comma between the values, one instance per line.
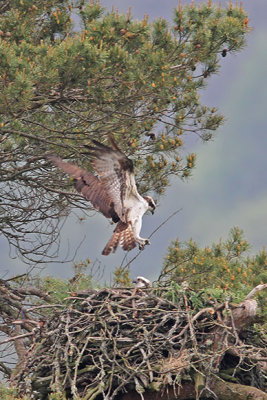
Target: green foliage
x=7, y=393
x=136, y=79
x=25, y=20
x=222, y=271
x=57, y=396
x=60, y=289
x=57, y=288
x=121, y=277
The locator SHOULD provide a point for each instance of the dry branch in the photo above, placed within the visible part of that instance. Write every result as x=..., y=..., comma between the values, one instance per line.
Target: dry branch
x=18, y=321
x=256, y=290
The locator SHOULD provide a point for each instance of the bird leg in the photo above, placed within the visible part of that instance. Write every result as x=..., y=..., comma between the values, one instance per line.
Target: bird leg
x=142, y=243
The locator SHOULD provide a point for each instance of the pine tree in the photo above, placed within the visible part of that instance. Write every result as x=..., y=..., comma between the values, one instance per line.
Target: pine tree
x=139, y=81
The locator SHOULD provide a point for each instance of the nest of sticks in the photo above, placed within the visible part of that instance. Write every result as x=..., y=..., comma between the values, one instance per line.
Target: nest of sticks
x=111, y=341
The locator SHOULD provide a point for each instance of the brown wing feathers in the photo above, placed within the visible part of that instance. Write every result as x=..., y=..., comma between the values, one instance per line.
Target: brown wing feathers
x=89, y=186
x=92, y=189
x=104, y=155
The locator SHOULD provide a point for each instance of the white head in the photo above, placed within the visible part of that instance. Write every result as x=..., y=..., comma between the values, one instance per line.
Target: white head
x=141, y=282
x=151, y=203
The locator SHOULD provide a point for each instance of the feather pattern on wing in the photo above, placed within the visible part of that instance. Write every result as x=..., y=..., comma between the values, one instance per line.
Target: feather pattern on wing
x=115, y=170
x=89, y=186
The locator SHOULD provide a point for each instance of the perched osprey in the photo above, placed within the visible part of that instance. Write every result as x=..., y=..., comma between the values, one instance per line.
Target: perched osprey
x=113, y=192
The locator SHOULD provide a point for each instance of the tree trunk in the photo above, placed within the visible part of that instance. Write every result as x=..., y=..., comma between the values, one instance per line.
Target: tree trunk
x=223, y=390
x=234, y=391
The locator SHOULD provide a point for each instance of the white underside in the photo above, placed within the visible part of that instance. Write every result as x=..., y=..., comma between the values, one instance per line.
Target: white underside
x=136, y=207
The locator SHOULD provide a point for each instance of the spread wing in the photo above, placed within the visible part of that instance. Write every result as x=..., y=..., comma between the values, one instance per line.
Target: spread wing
x=115, y=172
x=89, y=186
x=114, y=183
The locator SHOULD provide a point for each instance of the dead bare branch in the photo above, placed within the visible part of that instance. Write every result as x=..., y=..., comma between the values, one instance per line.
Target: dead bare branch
x=256, y=290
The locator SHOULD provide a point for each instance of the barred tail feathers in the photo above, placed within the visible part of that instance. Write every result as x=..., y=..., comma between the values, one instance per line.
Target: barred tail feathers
x=123, y=235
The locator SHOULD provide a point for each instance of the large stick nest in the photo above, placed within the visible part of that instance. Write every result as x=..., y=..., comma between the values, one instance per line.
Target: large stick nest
x=115, y=340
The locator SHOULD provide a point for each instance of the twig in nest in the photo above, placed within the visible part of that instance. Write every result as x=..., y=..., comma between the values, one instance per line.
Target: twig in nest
x=11, y=339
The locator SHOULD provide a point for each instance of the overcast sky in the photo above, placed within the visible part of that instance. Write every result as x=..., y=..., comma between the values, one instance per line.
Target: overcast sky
x=229, y=185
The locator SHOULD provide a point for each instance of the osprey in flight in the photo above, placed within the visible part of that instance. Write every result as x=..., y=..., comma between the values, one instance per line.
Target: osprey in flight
x=113, y=192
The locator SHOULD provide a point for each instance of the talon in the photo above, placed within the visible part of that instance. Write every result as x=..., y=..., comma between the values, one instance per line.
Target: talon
x=143, y=244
